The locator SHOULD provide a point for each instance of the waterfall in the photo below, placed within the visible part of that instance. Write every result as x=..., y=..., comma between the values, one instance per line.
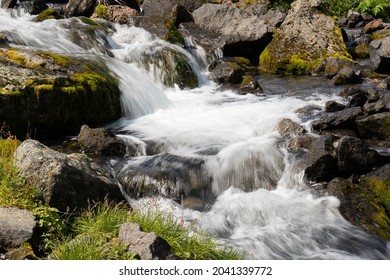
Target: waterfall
x=210, y=141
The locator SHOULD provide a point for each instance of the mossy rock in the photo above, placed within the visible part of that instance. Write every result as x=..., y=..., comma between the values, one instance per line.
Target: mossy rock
x=365, y=204
x=50, y=95
x=48, y=14
x=304, y=40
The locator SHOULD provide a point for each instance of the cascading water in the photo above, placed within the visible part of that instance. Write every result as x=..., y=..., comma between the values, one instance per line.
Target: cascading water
x=212, y=139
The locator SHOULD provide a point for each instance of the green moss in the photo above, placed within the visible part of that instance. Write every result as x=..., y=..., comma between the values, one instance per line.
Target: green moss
x=380, y=34
x=173, y=36
x=49, y=13
x=15, y=56
x=101, y=11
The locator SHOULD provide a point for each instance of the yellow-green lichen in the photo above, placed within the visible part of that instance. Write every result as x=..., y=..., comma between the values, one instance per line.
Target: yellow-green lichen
x=101, y=11
x=173, y=35
x=49, y=13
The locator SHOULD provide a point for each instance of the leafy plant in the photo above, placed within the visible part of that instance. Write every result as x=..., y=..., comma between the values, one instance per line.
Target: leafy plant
x=341, y=7
x=379, y=8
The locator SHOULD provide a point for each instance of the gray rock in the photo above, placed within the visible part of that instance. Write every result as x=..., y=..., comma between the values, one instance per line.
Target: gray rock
x=16, y=227
x=333, y=106
x=162, y=8
x=80, y=8
x=66, y=182
x=380, y=55
x=100, y=141
x=149, y=246
x=225, y=72
x=7, y=4
x=357, y=100
x=341, y=119
x=289, y=128
x=250, y=85
x=382, y=173
x=376, y=107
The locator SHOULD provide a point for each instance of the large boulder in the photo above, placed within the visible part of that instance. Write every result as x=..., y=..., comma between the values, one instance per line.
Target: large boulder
x=16, y=227
x=47, y=95
x=162, y=8
x=375, y=126
x=306, y=37
x=66, y=182
x=380, y=55
x=245, y=34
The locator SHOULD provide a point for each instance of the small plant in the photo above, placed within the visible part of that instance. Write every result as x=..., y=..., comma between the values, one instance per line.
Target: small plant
x=379, y=8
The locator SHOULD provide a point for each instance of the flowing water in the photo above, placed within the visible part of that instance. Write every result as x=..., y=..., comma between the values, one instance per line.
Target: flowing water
x=219, y=147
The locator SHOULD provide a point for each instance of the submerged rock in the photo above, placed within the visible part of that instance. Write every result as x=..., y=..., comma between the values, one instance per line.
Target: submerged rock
x=66, y=182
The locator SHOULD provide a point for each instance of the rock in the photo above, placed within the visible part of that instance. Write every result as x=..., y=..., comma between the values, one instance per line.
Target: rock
x=66, y=182
x=346, y=76
x=148, y=245
x=381, y=173
x=100, y=141
x=223, y=72
x=289, y=128
x=80, y=8
x=364, y=203
x=166, y=175
x=375, y=126
x=117, y=13
x=306, y=37
x=374, y=25
x=16, y=227
x=376, y=107
x=341, y=119
x=245, y=34
x=8, y=4
x=350, y=91
x=250, y=85
x=24, y=252
x=380, y=55
x=384, y=84
x=332, y=66
x=48, y=14
x=162, y=8
x=353, y=18
x=319, y=163
x=352, y=156
x=300, y=142
x=333, y=106
x=308, y=111
x=357, y=100
x=85, y=91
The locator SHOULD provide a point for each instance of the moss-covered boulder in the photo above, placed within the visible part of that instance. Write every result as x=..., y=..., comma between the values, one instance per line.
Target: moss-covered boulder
x=45, y=95
x=50, y=13
x=307, y=36
x=365, y=203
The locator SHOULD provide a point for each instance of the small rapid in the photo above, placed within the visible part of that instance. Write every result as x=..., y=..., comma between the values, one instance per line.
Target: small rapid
x=211, y=144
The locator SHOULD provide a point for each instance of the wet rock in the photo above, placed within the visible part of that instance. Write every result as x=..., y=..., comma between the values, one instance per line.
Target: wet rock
x=364, y=202
x=307, y=36
x=384, y=84
x=289, y=128
x=357, y=100
x=85, y=92
x=380, y=55
x=350, y=91
x=372, y=95
x=345, y=70
x=100, y=141
x=148, y=245
x=352, y=156
x=333, y=106
x=375, y=126
x=341, y=119
x=8, y=4
x=376, y=107
x=16, y=227
x=223, y=72
x=308, y=111
x=48, y=14
x=300, y=142
x=319, y=163
x=166, y=175
x=118, y=14
x=250, y=85
x=66, y=182
x=80, y=8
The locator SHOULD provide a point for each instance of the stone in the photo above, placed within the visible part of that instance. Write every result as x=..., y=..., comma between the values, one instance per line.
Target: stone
x=225, y=72
x=100, y=141
x=250, y=85
x=148, y=245
x=118, y=14
x=17, y=226
x=357, y=100
x=374, y=108
x=319, y=163
x=336, y=120
x=333, y=106
x=352, y=156
x=380, y=55
x=162, y=8
x=375, y=126
x=289, y=128
x=307, y=36
x=80, y=8
x=374, y=25
x=66, y=182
